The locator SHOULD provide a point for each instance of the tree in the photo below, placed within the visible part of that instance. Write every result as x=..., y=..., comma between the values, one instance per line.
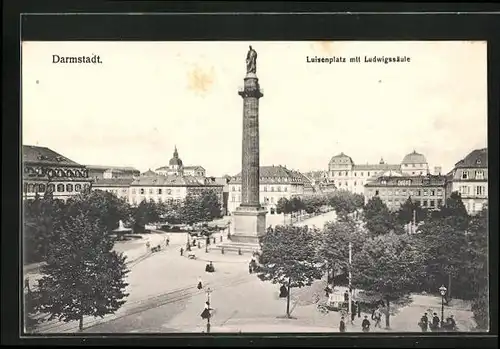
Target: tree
x=410, y=210
x=146, y=212
x=288, y=257
x=377, y=217
x=201, y=207
x=345, y=202
x=103, y=206
x=455, y=212
x=334, y=245
x=388, y=266
x=480, y=309
x=83, y=275
x=281, y=205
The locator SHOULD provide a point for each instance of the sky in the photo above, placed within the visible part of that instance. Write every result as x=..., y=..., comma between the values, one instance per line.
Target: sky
x=147, y=97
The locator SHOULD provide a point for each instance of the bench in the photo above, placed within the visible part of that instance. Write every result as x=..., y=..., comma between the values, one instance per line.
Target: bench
x=191, y=256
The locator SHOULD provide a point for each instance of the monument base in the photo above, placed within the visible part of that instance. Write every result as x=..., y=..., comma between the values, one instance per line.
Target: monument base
x=249, y=223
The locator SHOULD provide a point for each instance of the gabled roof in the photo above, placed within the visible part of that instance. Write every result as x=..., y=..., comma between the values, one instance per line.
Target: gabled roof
x=113, y=168
x=148, y=173
x=112, y=182
x=273, y=174
x=195, y=167
x=477, y=158
x=45, y=156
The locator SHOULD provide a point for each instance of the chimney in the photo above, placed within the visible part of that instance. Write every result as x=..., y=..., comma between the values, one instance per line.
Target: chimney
x=437, y=170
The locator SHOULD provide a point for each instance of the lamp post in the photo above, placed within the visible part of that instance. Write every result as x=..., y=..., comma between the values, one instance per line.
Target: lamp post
x=442, y=290
x=209, y=290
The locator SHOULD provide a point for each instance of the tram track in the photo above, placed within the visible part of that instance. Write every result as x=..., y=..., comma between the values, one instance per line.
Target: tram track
x=142, y=305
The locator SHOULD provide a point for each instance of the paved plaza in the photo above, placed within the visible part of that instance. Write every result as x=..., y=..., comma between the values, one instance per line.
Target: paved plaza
x=163, y=297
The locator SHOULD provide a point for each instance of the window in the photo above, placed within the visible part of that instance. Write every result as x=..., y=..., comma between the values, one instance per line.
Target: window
x=417, y=202
x=234, y=188
x=354, y=183
x=440, y=202
x=31, y=188
x=361, y=174
x=464, y=190
x=479, y=175
x=424, y=203
x=51, y=187
x=355, y=174
x=272, y=199
x=340, y=184
x=432, y=203
x=239, y=188
x=376, y=192
x=265, y=188
x=479, y=190
x=142, y=191
x=425, y=192
x=233, y=198
x=159, y=191
x=124, y=191
x=433, y=192
x=60, y=188
x=465, y=175
x=412, y=165
x=368, y=174
x=279, y=188
x=439, y=192
x=41, y=188
x=404, y=191
x=419, y=193
x=285, y=188
x=69, y=188
x=346, y=184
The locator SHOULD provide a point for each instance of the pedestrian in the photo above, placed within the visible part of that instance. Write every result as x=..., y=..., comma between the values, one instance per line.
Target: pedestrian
x=207, y=241
x=450, y=324
x=199, y=244
x=377, y=317
x=182, y=251
x=353, y=311
x=365, y=325
x=342, y=325
x=435, y=323
x=168, y=241
x=220, y=238
x=147, y=246
x=346, y=296
x=250, y=268
x=424, y=323
x=206, y=312
x=453, y=324
x=215, y=241
x=200, y=284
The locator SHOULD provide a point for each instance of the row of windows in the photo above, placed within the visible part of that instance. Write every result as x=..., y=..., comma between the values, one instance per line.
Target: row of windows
x=158, y=191
x=418, y=192
x=40, y=188
x=478, y=174
x=476, y=190
x=237, y=198
x=136, y=201
x=347, y=174
x=264, y=188
x=415, y=165
x=422, y=203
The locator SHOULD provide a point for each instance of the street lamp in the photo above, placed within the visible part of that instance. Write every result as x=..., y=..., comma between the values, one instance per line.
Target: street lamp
x=442, y=290
x=209, y=290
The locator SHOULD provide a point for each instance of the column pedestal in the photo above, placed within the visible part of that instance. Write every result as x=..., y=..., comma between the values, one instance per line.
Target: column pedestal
x=249, y=223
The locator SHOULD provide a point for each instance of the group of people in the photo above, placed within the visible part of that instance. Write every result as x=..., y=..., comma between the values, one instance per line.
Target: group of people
x=436, y=325
x=365, y=324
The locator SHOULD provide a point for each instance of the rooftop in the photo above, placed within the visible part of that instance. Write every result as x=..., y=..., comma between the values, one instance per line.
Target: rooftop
x=414, y=158
x=112, y=182
x=341, y=159
x=169, y=181
x=475, y=159
x=44, y=155
x=405, y=181
x=272, y=174
x=114, y=168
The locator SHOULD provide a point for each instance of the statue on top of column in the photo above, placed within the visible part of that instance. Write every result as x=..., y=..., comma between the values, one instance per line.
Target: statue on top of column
x=251, y=61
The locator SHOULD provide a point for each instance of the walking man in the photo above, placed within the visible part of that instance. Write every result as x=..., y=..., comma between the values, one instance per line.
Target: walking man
x=424, y=323
x=435, y=323
x=182, y=251
x=200, y=284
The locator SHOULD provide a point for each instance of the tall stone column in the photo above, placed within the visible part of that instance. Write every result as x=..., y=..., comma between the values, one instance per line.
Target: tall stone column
x=249, y=219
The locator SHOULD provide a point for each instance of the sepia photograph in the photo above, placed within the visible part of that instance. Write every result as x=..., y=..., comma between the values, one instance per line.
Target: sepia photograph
x=254, y=187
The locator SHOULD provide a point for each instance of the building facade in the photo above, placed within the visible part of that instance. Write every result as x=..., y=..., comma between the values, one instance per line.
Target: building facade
x=46, y=170
x=159, y=188
x=345, y=174
x=469, y=177
x=427, y=191
x=276, y=182
x=176, y=167
x=99, y=172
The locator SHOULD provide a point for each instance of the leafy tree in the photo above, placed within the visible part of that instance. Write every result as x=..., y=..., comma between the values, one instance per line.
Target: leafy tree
x=146, y=212
x=480, y=309
x=288, y=257
x=201, y=207
x=30, y=307
x=282, y=205
x=377, y=216
x=410, y=210
x=83, y=275
x=455, y=212
x=388, y=266
x=343, y=202
x=334, y=245
x=103, y=206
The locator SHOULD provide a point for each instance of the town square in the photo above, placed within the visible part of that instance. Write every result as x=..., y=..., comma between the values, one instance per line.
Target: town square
x=253, y=225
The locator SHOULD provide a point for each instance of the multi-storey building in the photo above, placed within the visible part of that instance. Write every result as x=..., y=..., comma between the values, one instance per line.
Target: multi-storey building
x=158, y=188
x=276, y=182
x=427, y=191
x=176, y=167
x=99, y=172
x=469, y=177
x=195, y=171
x=347, y=175
x=45, y=170
x=320, y=182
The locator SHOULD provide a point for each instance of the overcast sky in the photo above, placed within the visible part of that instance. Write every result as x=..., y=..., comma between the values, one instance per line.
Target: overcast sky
x=147, y=97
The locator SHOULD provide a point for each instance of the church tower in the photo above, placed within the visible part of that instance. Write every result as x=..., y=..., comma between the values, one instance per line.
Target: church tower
x=175, y=164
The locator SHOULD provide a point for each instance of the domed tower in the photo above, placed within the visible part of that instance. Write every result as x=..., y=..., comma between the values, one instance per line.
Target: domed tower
x=414, y=164
x=340, y=165
x=175, y=164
